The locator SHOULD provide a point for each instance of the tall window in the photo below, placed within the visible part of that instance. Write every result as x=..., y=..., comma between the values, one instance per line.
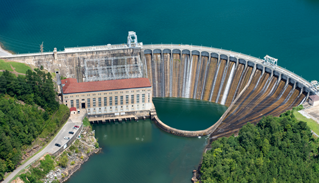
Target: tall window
x=132, y=99
x=110, y=100
x=72, y=105
x=115, y=100
x=126, y=99
x=77, y=104
x=94, y=102
x=105, y=102
x=121, y=98
x=138, y=98
x=143, y=98
x=89, y=102
x=149, y=98
x=100, y=104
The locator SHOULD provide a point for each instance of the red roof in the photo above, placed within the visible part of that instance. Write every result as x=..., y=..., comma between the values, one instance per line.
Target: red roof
x=71, y=85
x=72, y=109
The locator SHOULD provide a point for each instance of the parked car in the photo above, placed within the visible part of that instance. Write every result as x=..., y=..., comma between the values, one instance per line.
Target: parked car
x=67, y=138
x=57, y=144
x=76, y=126
x=71, y=132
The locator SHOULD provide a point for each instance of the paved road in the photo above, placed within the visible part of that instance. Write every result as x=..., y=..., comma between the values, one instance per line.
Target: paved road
x=50, y=148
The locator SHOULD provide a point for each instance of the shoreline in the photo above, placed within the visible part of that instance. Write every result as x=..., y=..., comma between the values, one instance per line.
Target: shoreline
x=4, y=52
x=78, y=166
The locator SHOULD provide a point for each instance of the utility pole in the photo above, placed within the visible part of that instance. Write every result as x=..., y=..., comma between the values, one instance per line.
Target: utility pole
x=41, y=48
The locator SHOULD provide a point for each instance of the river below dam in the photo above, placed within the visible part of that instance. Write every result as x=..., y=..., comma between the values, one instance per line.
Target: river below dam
x=139, y=152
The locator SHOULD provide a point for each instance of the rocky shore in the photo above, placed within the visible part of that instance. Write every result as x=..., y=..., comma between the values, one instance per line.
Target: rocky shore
x=68, y=162
x=77, y=154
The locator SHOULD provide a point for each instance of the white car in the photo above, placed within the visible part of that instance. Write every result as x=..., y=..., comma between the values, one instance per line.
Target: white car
x=67, y=138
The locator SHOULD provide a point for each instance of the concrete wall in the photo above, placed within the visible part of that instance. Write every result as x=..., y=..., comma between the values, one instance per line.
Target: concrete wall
x=70, y=64
x=248, y=87
x=77, y=133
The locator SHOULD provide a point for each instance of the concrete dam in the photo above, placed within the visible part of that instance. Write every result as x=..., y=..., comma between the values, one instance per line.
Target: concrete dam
x=220, y=78
x=250, y=87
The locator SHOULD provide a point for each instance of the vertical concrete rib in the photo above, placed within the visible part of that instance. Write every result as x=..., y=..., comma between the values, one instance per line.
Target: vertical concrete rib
x=290, y=93
x=201, y=77
x=179, y=75
x=142, y=56
x=216, y=73
x=303, y=100
x=223, y=78
x=184, y=76
x=148, y=58
x=189, y=75
x=205, y=77
x=163, y=73
x=230, y=78
x=192, y=75
x=167, y=74
x=241, y=77
x=199, y=63
x=170, y=75
x=154, y=76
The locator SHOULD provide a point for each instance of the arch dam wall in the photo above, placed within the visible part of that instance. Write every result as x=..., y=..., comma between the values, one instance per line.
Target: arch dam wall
x=250, y=88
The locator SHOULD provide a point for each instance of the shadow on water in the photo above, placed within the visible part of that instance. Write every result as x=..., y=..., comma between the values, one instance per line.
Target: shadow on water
x=188, y=114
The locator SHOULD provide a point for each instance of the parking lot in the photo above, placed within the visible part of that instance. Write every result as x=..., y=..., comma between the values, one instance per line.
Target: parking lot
x=64, y=132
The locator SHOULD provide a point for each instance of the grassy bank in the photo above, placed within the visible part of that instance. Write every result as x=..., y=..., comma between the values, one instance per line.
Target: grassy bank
x=313, y=125
x=18, y=67
x=86, y=122
x=5, y=66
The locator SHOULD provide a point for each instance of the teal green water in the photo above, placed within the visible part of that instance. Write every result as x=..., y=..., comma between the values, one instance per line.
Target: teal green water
x=139, y=152
x=285, y=29
x=188, y=114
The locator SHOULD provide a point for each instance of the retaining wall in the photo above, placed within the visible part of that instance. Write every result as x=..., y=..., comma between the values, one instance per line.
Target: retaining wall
x=58, y=152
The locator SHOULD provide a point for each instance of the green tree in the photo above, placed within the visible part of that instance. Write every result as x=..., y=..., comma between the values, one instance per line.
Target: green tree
x=63, y=162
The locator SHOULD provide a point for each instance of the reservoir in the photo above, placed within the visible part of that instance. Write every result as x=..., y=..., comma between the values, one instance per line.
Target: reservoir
x=139, y=152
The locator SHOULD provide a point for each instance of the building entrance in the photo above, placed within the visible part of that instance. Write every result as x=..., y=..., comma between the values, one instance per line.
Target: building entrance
x=83, y=106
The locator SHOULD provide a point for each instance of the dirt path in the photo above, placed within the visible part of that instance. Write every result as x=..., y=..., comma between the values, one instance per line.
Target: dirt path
x=14, y=72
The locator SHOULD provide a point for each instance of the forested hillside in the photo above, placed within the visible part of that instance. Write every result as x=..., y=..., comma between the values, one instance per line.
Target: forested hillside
x=35, y=88
x=22, y=122
x=277, y=149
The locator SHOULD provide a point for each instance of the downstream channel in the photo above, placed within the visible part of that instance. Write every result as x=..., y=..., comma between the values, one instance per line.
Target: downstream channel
x=139, y=152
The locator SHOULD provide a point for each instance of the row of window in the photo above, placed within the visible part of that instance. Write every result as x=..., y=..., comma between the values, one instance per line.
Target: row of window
x=110, y=93
x=115, y=109
x=116, y=102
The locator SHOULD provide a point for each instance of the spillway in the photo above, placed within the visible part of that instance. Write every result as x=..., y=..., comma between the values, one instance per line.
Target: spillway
x=258, y=89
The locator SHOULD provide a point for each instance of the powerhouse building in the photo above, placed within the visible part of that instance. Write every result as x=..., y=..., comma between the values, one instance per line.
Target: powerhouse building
x=110, y=98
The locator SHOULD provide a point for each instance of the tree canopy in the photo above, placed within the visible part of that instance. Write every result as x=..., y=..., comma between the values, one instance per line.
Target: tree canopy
x=277, y=149
x=35, y=88
x=21, y=124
